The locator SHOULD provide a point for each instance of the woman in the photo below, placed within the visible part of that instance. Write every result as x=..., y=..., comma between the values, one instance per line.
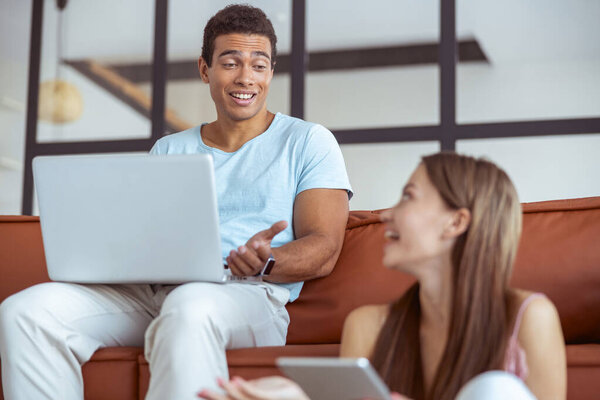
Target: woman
x=456, y=229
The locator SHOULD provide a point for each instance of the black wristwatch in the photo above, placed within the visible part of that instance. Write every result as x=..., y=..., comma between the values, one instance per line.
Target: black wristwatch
x=268, y=266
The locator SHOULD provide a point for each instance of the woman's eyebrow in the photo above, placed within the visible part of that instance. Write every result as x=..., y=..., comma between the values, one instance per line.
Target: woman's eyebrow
x=409, y=186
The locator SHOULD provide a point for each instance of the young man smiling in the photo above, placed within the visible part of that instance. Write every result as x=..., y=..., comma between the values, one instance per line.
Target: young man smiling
x=283, y=203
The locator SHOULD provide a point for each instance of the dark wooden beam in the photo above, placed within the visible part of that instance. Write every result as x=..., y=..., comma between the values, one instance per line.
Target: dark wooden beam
x=382, y=135
x=89, y=147
x=371, y=57
x=127, y=92
x=470, y=131
x=528, y=128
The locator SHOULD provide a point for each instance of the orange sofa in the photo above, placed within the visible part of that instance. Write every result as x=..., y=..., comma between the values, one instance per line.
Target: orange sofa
x=559, y=255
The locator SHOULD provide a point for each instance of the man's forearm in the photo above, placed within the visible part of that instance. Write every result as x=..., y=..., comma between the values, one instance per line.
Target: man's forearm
x=310, y=257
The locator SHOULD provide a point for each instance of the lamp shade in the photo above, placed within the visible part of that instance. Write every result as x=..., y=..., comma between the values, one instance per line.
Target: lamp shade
x=59, y=102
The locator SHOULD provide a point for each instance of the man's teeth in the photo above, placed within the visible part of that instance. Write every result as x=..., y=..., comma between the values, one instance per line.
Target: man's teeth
x=242, y=96
x=389, y=235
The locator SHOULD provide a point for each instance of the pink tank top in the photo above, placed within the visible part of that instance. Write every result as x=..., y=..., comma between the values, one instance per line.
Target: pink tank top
x=515, y=360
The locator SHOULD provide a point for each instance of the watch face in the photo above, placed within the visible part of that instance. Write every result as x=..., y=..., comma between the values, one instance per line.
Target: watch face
x=268, y=266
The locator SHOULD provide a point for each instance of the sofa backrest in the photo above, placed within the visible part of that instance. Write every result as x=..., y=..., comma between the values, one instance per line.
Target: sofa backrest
x=559, y=255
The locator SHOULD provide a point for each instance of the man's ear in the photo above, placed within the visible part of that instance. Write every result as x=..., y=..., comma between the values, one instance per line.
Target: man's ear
x=458, y=224
x=203, y=69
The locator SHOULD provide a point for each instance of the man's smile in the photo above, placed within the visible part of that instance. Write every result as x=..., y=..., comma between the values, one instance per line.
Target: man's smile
x=242, y=98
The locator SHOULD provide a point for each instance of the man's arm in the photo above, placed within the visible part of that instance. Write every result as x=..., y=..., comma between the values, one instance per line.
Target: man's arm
x=320, y=217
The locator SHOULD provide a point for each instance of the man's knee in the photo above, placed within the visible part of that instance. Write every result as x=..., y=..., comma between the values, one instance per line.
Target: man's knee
x=193, y=306
x=14, y=308
x=30, y=306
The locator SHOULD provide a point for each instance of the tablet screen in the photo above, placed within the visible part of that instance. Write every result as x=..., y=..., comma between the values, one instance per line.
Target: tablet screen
x=324, y=378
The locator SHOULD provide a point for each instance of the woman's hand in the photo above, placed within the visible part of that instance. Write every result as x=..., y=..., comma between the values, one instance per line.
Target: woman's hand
x=269, y=388
x=395, y=396
x=398, y=396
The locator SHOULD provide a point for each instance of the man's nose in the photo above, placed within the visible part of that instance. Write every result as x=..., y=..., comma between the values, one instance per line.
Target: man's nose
x=245, y=76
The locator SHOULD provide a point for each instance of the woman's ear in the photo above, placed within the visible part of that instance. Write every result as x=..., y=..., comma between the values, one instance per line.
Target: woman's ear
x=203, y=69
x=458, y=224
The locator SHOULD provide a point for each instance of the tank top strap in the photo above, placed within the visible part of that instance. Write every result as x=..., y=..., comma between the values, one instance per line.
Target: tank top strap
x=522, y=309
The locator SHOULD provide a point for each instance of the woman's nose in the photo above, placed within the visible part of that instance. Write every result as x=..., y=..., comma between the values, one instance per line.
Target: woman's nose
x=385, y=215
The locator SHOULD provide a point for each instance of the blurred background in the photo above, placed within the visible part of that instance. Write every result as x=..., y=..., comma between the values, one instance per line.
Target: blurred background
x=524, y=90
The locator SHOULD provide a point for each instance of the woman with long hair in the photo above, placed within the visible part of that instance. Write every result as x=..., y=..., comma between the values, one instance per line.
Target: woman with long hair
x=456, y=229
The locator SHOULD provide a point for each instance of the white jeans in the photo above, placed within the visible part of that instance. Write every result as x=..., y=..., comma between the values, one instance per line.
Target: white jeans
x=495, y=385
x=48, y=331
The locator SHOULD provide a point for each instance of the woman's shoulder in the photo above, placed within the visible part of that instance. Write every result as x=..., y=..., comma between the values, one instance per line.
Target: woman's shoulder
x=369, y=313
x=361, y=330
x=528, y=303
x=539, y=335
x=529, y=312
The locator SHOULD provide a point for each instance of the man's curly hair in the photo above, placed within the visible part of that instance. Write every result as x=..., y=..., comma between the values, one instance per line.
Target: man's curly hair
x=238, y=18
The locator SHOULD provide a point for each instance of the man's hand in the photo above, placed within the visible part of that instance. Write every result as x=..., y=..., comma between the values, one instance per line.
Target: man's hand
x=249, y=259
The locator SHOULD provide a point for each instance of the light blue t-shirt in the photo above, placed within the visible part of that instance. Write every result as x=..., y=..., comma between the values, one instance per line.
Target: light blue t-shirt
x=257, y=184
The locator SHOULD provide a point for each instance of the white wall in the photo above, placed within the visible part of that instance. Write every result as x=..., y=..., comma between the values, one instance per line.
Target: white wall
x=14, y=61
x=103, y=118
x=378, y=171
x=545, y=168
x=523, y=82
x=519, y=91
x=542, y=168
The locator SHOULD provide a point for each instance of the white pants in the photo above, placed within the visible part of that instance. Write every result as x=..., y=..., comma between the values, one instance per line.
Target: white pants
x=48, y=331
x=495, y=385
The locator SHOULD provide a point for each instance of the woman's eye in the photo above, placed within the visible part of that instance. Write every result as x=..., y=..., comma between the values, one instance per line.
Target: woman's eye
x=405, y=196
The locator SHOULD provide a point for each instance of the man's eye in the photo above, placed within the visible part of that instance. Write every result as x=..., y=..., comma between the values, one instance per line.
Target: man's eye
x=229, y=65
x=260, y=67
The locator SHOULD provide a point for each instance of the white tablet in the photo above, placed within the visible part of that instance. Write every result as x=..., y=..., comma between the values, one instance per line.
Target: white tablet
x=325, y=378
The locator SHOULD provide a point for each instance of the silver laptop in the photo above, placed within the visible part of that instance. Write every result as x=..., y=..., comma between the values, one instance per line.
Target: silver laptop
x=129, y=218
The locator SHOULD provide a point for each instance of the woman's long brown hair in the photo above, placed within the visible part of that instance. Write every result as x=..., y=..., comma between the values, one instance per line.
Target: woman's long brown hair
x=482, y=261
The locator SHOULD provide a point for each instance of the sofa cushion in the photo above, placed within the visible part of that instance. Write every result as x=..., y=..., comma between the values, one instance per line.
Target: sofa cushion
x=583, y=372
x=254, y=362
x=108, y=375
x=112, y=373
x=558, y=255
x=358, y=278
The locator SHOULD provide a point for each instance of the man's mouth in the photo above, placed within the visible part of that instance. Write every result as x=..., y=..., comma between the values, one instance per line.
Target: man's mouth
x=242, y=96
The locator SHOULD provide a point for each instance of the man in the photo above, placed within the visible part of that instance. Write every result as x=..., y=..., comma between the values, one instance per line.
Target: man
x=283, y=195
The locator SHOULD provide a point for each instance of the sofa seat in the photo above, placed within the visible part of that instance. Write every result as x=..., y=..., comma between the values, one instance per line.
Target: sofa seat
x=129, y=364
x=131, y=368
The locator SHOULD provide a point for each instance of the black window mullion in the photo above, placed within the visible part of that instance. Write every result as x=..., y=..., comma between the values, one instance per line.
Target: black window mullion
x=299, y=58
x=35, y=55
x=448, y=56
x=159, y=69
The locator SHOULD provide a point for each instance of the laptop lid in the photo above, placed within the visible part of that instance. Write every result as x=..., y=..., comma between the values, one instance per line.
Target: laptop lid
x=129, y=218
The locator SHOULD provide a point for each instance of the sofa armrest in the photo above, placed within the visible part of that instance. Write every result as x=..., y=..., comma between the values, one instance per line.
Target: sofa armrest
x=22, y=261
